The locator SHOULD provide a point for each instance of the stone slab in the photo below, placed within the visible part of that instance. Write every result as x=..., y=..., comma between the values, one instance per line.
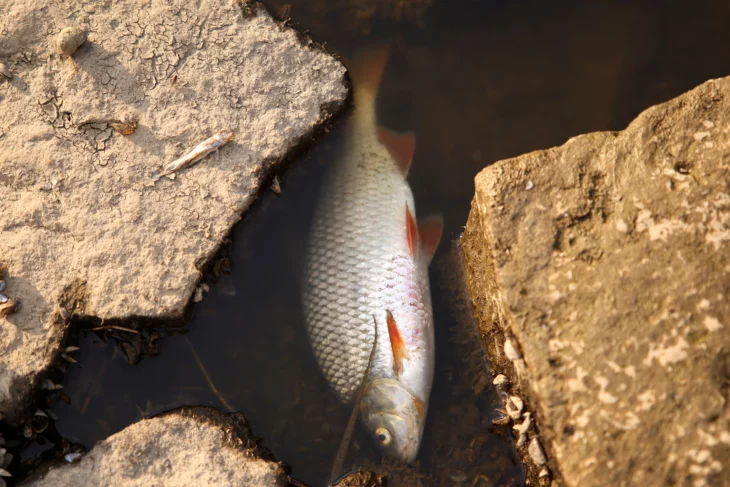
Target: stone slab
x=82, y=225
x=606, y=264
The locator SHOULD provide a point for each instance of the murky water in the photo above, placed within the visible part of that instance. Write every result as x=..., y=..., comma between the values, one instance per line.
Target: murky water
x=478, y=81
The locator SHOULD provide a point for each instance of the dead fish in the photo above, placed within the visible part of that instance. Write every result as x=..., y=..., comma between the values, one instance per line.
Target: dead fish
x=369, y=258
x=197, y=153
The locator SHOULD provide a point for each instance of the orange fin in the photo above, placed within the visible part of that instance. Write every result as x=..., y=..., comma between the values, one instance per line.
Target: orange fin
x=401, y=147
x=419, y=406
x=411, y=232
x=396, y=344
x=367, y=68
x=430, y=230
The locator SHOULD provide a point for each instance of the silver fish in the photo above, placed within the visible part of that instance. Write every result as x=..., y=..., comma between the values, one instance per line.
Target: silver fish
x=369, y=259
x=197, y=153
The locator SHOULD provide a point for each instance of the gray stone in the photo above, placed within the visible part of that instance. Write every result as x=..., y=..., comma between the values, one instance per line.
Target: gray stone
x=196, y=446
x=83, y=230
x=607, y=262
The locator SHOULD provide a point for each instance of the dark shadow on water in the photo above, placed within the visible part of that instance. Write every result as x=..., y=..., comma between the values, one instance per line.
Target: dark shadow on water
x=481, y=81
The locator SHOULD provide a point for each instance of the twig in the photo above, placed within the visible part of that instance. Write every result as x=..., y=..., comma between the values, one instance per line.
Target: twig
x=115, y=327
x=208, y=379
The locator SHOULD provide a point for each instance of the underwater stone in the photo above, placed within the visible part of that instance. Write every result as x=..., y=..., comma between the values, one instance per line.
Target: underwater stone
x=191, y=446
x=111, y=245
x=611, y=274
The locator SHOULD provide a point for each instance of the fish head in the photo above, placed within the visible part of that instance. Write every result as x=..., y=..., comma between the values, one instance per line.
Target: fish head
x=393, y=417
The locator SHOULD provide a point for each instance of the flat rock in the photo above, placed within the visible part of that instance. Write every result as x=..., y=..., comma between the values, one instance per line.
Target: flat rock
x=606, y=263
x=195, y=446
x=82, y=225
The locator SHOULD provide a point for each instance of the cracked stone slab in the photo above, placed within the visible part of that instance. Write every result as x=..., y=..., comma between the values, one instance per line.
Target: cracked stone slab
x=606, y=262
x=82, y=225
x=192, y=446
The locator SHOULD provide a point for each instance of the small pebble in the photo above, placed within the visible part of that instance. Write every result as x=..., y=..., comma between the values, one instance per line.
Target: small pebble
x=72, y=457
x=70, y=39
x=529, y=185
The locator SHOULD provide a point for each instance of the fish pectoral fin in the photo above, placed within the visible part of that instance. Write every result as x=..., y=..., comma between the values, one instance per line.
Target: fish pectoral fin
x=397, y=344
x=401, y=147
x=430, y=230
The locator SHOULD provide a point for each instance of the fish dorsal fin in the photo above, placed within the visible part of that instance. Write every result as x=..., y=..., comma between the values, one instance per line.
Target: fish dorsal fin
x=430, y=230
x=401, y=147
x=397, y=344
x=411, y=232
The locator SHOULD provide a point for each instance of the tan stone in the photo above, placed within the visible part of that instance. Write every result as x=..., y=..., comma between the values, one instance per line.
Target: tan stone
x=82, y=225
x=607, y=262
x=196, y=446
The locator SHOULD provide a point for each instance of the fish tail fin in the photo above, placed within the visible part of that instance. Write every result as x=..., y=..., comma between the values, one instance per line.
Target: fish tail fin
x=366, y=73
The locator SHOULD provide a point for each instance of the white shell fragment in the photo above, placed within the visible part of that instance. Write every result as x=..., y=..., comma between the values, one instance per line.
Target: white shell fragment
x=514, y=407
x=510, y=350
x=72, y=457
x=529, y=185
x=517, y=401
x=72, y=349
x=276, y=186
x=48, y=385
x=68, y=358
x=543, y=473
x=501, y=379
x=4, y=473
x=536, y=453
x=199, y=292
x=522, y=429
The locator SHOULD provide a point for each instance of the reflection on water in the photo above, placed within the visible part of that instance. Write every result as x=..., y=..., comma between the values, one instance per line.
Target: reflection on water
x=479, y=81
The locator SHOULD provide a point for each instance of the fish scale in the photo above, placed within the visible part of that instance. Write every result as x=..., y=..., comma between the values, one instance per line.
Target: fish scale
x=359, y=266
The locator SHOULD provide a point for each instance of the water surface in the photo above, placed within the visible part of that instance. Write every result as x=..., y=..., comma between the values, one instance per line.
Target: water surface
x=478, y=81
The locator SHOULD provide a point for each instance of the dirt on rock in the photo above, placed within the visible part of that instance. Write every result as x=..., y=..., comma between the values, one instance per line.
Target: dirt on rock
x=600, y=274
x=82, y=135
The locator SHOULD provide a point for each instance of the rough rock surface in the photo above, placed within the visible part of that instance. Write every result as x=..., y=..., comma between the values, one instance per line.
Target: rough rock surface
x=606, y=262
x=82, y=224
x=196, y=446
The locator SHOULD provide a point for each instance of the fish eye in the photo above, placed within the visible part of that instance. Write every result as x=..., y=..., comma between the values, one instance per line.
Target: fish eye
x=383, y=436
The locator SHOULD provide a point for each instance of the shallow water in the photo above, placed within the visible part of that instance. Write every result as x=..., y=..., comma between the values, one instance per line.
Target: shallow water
x=478, y=81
